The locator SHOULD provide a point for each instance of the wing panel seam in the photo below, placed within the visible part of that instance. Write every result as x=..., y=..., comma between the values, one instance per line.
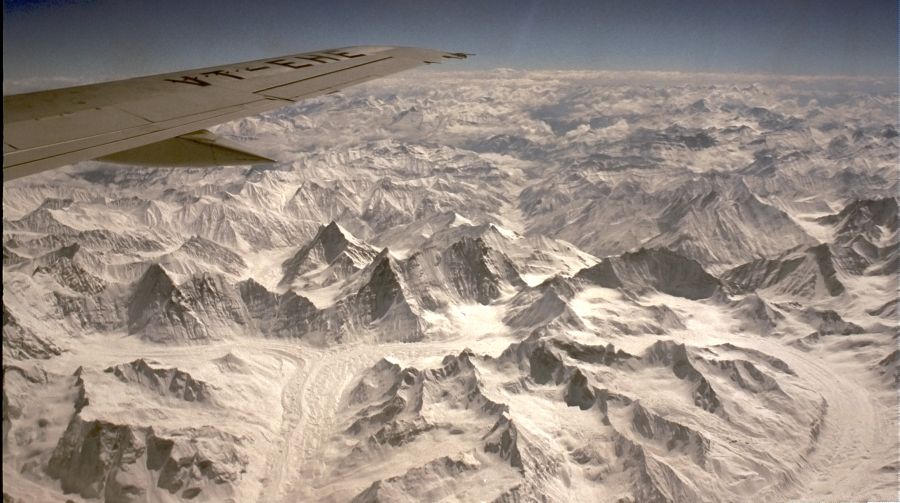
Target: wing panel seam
x=199, y=121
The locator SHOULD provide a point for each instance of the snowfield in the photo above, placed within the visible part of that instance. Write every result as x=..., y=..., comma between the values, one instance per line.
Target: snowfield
x=472, y=286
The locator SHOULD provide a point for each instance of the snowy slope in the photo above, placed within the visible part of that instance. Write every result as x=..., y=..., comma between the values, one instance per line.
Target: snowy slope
x=485, y=286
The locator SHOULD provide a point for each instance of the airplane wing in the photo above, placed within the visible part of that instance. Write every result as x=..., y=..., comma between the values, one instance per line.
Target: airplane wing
x=160, y=120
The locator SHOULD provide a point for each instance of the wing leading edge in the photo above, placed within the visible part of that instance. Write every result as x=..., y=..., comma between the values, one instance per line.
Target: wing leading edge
x=160, y=119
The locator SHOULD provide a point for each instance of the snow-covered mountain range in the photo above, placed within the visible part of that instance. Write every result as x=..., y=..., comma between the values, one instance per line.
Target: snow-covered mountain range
x=502, y=286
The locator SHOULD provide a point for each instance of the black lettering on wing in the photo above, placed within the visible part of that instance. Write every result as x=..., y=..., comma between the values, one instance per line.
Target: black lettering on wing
x=289, y=64
x=223, y=73
x=194, y=81
x=344, y=54
x=318, y=58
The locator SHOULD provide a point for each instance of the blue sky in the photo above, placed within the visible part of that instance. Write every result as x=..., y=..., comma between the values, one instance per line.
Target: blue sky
x=101, y=39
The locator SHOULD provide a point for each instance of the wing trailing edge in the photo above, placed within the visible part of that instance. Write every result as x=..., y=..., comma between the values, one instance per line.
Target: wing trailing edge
x=160, y=119
x=197, y=149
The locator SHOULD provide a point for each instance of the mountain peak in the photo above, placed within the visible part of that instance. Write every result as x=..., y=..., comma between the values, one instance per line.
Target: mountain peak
x=657, y=268
x=333, y=254
x=334, y=238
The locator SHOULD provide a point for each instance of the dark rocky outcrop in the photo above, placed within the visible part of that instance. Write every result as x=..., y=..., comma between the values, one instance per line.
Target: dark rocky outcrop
x=123, y=463
x=674, y=355
x=21, y=342
x=201, y=309
x=169, y=382
x=332, y=247
x=659, y=269
x=798, y=273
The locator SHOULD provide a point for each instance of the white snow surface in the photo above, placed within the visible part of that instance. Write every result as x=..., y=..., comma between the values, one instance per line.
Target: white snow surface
x=472, y=286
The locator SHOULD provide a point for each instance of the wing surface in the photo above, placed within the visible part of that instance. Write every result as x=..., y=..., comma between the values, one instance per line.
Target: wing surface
x=119, y=120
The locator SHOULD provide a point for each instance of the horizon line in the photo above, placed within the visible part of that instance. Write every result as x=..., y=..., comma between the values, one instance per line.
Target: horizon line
x=34, y=84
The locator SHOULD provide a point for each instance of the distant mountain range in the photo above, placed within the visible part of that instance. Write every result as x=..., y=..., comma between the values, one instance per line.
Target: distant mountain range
x=539, y=286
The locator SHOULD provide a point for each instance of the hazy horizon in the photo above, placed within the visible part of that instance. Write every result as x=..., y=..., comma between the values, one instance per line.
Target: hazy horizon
x=87, y=41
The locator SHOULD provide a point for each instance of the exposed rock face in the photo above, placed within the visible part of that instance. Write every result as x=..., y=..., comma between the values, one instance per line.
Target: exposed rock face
x=606, y=355
x=122, y=463
x=866, y=236
x=457, y=381
x=602, y=274
x=444, y=476
x=671, y=354
x=503, y=441
x=158, y=304
x=659, y=269
x=8, y=416
x=73, y=261
x=507, y=143
x=397, y=403
x=890, y=309
x=193, y=311
x=11, y=258
x=725, y=224
x=41, y=220
x=479, y=272
x=235, y=224
x=716, y=220
x=383, y=290
x=380, y=381
x=758, y=314
x=377, y=304
x=747, y=376
x=216, y=302
x=772, y=361
x=829, y=322
x=871, y=218
x=889, y=366
x=672, y=435
x=70, y=274
x=333, y=248
x=103, y=312
x=384, y=299
x=19, y=342
x=97, y=240
x=170, y=382
x=544, y=305
x=579, y=393
x=93, y=457
x=318, y=202
x=202, y=459
x=285, y=315
x=469, y=270
x=199, y=255
x=808, y=273
x=655, y=481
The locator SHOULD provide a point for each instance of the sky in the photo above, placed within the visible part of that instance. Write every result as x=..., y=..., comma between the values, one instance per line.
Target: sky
x=94, y=40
